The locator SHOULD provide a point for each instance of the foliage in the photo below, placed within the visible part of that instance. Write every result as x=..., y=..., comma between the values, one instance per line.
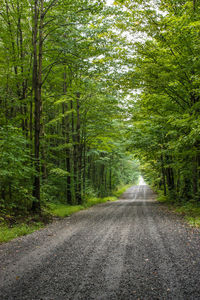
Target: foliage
x=164, y=112
x=12, y=227
x=190, y=210
x=64, y=210
x=8, y=233
x=61, y=116
x=16, y=170
x=120, y=190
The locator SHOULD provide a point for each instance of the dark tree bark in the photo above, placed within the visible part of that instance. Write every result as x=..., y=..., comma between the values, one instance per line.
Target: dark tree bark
x=74, y=152
x=163, y=175
x=110, y=178
x=37, y=88
x=66, y=125
x=84, y=164
x=79, y=150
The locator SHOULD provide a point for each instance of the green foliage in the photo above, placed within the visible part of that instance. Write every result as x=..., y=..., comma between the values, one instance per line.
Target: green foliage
x=164, y=116
x=63, y=210
x=55, y=209
x=190, y=209
x=8, y=233
x=16, y=170
x=120, y=190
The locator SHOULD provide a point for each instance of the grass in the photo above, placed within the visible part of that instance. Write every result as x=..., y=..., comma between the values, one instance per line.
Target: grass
x=121, y=190
x=29, y=224
x=64, y=210
x=8, y=233
x=190, y=210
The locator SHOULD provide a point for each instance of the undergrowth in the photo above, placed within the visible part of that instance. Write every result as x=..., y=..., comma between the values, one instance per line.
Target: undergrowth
x=190, y=210
x=121, y=190
x=64, y=210
x=8, y=233
x=12, y=227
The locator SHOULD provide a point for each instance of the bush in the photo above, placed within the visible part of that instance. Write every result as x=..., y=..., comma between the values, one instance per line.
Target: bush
x=16, y=170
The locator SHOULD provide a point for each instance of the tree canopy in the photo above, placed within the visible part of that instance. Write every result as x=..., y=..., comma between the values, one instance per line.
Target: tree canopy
x=89, y=91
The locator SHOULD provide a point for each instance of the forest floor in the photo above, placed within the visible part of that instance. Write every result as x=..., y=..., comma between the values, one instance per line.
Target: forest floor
x=134, y=248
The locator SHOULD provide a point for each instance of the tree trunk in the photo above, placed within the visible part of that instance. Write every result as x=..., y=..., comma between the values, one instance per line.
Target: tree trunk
x=84, y=165
x=110, y=178
x=67, y=132
x=79, y=150
x=37, y=88
x=74, y=153
x=163, y=175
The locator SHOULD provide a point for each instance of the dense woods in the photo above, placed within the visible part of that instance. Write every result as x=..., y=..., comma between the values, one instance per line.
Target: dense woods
x=165, y=118
x=89, y=89
x=61, y=119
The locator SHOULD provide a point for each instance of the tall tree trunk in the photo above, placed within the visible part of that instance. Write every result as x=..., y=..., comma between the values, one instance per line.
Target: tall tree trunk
x=79, y=150
x=105, y=181
x=84, y=165
x=194, y=5
x=163, y=175
x=196, y=176
x=31, y=122
x=67, y=133
x=74, y=152
x=37, y=88
x=110, y=177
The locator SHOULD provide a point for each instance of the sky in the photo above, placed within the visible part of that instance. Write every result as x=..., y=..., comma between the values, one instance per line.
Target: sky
x=109, y=2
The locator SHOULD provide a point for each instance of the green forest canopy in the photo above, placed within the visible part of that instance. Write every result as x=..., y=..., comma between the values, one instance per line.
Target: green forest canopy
x=88, y=90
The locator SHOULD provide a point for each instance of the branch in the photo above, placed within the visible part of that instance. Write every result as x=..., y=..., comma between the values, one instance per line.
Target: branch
x=49, y=7
x=175, y=99
x=50, y=68
x=52, y=19
x=172, y=51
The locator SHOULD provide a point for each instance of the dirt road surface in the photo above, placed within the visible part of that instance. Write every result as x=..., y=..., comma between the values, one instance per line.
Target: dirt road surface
x=129, y=249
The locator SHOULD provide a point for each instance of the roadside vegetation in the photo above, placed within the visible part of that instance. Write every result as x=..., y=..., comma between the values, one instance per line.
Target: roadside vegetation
x=62, y=133
x=164, y=127
x=84, y=98
x=190, y=210
x=19, y=225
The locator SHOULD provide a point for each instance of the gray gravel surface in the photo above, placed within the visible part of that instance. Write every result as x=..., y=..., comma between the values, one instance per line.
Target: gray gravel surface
x=129, y=249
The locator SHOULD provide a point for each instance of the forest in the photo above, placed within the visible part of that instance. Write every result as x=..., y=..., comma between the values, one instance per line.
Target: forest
x=94, y=92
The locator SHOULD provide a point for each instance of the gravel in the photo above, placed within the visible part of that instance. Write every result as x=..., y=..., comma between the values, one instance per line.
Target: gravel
x=129, y=249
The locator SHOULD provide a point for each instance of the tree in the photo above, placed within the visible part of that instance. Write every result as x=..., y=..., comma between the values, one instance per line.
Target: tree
x=60, y=102
x=166, y=112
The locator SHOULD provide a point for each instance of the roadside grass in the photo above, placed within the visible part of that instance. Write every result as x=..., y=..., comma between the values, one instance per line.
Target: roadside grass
x=63, y=210
x=121, y=190
x=28, y=224
x=8, y=233
x=190, y=210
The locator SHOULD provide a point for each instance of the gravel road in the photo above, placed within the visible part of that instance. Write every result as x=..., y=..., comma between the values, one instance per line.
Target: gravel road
x=129, y=249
